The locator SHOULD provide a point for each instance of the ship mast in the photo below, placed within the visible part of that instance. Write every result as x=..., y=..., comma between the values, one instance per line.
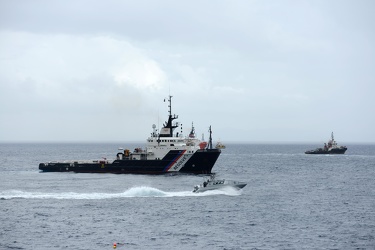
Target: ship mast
x=209, y=146
x=168, y=126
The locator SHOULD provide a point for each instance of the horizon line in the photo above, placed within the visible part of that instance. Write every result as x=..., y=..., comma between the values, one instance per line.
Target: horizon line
x=143, y=142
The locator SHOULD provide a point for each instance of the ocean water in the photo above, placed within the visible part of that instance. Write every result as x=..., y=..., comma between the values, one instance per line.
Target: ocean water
x=292, y=201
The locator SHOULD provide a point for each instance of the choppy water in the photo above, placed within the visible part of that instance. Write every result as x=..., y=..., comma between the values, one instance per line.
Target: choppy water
x=292, y=201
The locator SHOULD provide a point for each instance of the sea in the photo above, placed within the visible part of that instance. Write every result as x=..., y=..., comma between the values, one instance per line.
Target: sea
x=291, y=201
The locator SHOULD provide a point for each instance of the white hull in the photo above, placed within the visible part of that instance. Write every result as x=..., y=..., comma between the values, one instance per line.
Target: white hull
x=218, y=184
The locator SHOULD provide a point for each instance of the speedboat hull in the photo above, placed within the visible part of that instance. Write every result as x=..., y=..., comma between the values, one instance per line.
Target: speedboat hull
x=218, y=184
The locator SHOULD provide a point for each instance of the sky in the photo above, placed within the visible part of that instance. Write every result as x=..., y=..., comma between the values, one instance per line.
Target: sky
x=256, y=71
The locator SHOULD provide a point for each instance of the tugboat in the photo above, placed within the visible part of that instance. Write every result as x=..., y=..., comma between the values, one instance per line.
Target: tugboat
x=212, y=184
x=166, y=152
x=220, y=145
x=329, y=148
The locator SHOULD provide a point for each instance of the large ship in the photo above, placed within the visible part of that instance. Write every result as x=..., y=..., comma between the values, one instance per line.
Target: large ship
x=165, y=152
x=329, y=148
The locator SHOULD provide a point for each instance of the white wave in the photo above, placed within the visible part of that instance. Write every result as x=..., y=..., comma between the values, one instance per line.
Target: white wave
x=132, y=192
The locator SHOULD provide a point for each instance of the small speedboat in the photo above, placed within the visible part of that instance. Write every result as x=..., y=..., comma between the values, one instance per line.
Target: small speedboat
x=213, y=184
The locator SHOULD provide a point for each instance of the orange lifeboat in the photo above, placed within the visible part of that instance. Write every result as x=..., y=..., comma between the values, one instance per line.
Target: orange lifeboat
x=203, y=145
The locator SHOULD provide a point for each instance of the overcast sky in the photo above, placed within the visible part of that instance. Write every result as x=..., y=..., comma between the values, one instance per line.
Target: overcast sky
x=257, y=71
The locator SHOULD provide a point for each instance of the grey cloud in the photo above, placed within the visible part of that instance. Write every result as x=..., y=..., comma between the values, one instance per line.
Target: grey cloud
x=289, y=70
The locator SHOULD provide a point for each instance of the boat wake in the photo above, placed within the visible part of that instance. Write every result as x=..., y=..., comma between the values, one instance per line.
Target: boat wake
x=143, y=191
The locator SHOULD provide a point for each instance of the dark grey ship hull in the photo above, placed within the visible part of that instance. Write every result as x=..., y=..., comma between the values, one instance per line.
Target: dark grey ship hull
x=201, y=162
x=321, y=151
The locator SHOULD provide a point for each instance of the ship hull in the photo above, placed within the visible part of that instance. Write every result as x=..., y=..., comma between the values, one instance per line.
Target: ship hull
x=201, y=162
x=326, y=152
